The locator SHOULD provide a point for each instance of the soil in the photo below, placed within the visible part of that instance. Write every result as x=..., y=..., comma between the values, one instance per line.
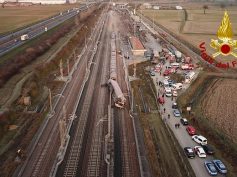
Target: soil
x=219, y=106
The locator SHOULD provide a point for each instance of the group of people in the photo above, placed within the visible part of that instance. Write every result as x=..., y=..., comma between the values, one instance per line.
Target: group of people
x=177, y=125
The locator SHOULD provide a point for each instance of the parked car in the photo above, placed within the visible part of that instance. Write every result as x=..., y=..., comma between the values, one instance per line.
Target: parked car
x=168, y=92
x=184, y=121
x=171, y=82
x=152, y=73
x=208, y=149
x=176, y=113
x=189, y=152
x=220, y=166
x=175, y=93
x=191, y=130
x=166, y=72
x=161, y=100
x=210, y=168
x=199, y=139
x=200, y=151
x=174, y=106
x=165, y=83
x=177, y=86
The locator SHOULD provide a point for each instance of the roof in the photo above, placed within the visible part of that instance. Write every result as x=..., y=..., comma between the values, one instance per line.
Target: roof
x=136, y=43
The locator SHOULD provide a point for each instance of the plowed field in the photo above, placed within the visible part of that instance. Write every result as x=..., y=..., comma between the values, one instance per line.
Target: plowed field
x=220, y=106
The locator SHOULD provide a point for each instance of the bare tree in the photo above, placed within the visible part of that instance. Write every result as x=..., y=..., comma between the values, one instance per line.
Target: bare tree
x=223, y=6
x=205, y=7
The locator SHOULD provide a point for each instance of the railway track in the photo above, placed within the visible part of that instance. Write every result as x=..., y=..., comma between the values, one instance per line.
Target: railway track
x=130, y=166
x=85, y=157
x=40, y=162
x=96, y=162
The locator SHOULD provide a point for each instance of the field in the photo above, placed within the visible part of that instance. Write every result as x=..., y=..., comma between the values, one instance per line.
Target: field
x=16, y=17
x=219, y=106
x=193, y=25
x=43, y=69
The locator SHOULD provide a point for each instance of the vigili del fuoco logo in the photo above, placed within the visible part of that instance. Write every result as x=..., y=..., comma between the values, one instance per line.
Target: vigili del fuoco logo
x=224, y=45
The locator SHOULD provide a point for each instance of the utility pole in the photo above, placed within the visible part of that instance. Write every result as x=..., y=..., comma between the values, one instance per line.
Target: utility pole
x=61, y=69
x=50, y=101
x=153, y=14
x=62, y=127
x=68, y=67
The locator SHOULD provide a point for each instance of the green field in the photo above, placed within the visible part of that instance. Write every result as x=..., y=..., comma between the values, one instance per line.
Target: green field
x=16, y=17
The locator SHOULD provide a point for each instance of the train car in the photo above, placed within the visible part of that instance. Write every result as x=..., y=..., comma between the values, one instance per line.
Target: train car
x=113, y=65
x=118, y=97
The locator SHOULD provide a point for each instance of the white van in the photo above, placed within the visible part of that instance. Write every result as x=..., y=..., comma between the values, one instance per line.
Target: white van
x=168, y=92
x=174, y=65
x=190, y=75
x=166, y=83
x=177, y=86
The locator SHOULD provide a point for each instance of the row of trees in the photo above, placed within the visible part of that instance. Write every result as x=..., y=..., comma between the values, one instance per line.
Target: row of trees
x=13, y=65
x=205, y=7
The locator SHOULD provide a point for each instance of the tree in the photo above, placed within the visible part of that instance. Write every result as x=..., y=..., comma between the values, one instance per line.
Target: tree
x=205, y=7
x=222, y=5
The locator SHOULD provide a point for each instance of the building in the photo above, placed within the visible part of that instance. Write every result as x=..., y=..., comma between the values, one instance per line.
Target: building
x=41, y=1
x=137, y=47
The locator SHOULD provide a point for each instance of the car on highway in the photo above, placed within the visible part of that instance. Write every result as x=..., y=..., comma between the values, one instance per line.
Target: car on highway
x=210, y=167
x=189, y=152
x=200, y=151
x=176, y=113
x=174, y=106
x=199, y=139
x=208, y=149
x=191, y=130
x=184, y=121
x=220, y=166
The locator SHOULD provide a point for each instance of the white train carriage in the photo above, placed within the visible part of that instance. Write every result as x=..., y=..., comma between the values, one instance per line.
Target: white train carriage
x=113, y=35
x=113, y=64
x=118, y=96
x=113, y=46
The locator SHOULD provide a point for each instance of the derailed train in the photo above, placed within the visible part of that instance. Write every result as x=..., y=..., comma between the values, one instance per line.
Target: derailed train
x=118, y=95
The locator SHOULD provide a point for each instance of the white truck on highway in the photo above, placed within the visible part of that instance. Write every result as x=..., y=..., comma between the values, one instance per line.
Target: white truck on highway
x=24, y=37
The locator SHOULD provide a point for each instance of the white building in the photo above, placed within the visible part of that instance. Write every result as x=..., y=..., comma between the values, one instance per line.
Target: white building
x=179, y=7
x=147, y=5
x=41, y=1
x=156, y=7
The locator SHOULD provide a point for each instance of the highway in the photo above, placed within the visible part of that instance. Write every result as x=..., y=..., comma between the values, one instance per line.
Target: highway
x=13, y=40
x=42, y=152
